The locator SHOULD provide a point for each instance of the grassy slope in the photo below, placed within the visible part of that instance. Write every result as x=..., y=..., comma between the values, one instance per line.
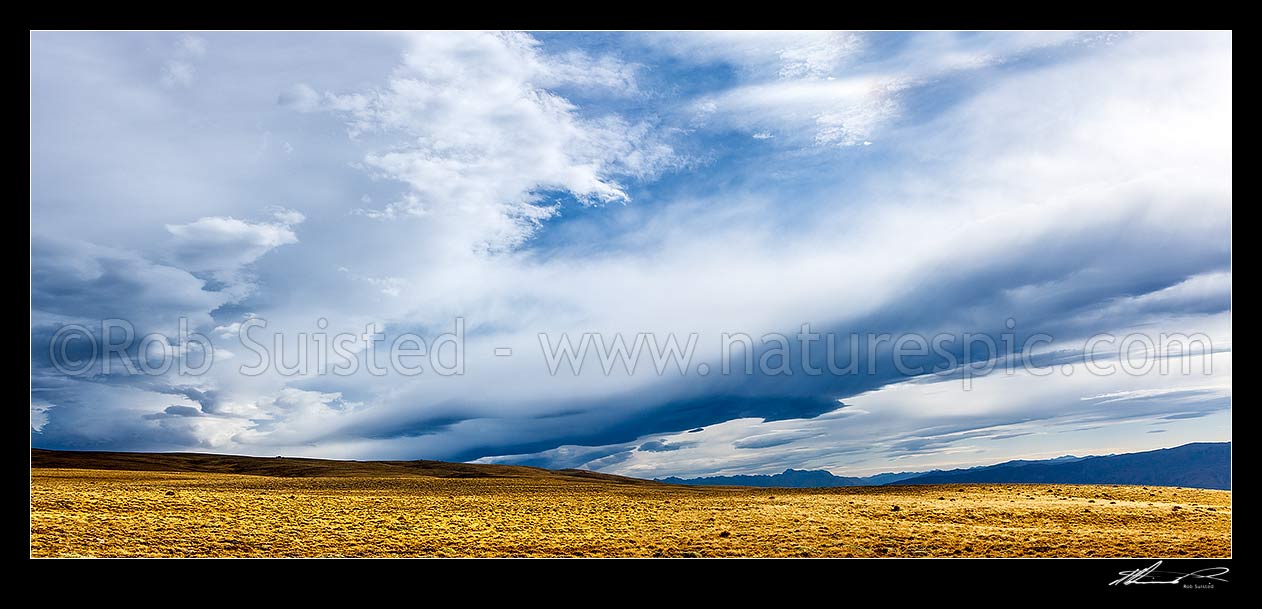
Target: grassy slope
x=292, y=467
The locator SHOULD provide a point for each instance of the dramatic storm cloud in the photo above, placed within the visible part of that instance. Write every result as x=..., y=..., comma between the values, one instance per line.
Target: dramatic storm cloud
x=485, y=200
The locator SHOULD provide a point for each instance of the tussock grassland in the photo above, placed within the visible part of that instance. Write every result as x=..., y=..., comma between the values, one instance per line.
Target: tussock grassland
x=81, y=512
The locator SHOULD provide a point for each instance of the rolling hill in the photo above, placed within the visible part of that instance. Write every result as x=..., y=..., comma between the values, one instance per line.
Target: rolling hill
x=293, y=467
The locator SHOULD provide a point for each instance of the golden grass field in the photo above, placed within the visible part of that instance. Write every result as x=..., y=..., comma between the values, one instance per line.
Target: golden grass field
x=82, y=512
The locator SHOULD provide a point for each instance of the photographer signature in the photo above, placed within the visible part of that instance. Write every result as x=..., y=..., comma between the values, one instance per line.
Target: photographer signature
x=1151, y=575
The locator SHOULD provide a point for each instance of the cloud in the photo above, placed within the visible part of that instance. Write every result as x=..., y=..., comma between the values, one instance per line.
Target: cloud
x=774, y=439
x=1074, y=183
x=568, y=457
x=925, y=424
x=39, y=415
x=177, y=73
x=1009, y=436
x=175, y=410
x=764, y=54
x=844, y=112
x=81, y=281
x=301, y=97
x=226, y=243
x=192, y=46
x=475, y=134
x=659, y=446
x=286, y=216
x=845, y=87
x=388, y=286
x=591, y=74
x=180, y=71
x=810, y=57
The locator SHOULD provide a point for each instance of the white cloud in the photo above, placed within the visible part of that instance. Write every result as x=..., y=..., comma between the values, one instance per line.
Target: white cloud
x=178, y=73
x=301, y=97
x=824, y=87
x=840, y=111
x=228, y=331
x=291, y=416
x=601, y=74
x=39, y=415
x=389, y=286
x=476, y=135
x=764, y=54
x=224, y=243
x=818, y=57
x=193, y=46
x=408, y=205
x=287, y=216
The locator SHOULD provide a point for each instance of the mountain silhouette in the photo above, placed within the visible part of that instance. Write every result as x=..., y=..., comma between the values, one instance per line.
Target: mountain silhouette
x=792, y=478
x=1198, y=465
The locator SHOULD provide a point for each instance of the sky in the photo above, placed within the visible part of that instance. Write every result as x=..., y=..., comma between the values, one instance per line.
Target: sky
x=240, y=198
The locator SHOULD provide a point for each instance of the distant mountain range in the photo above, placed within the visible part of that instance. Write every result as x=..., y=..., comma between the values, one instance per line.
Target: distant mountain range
x=793, y=478
x=1197, y=465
